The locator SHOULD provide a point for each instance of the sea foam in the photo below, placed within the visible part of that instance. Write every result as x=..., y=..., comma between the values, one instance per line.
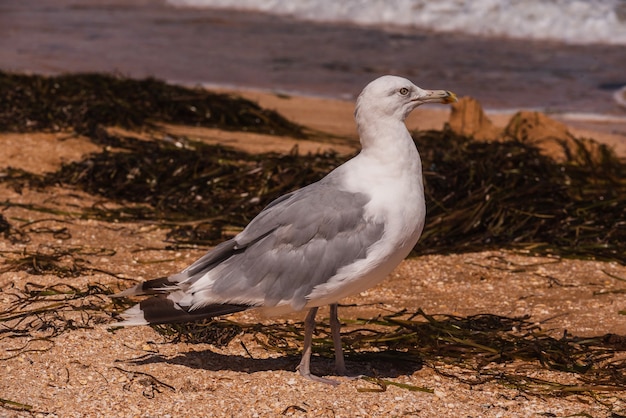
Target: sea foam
x=569, y=21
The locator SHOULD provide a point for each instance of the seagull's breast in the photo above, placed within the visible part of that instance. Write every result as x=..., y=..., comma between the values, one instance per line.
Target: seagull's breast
x=397, y=201
x=396, y=191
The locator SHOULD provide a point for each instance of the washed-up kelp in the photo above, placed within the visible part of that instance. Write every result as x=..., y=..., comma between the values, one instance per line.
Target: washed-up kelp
x=479, y=195
x=470, y=349
x=198, y=190
x=507, y=194
x=82, y=102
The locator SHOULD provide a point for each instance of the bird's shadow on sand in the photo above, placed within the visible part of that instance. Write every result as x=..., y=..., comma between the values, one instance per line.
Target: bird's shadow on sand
x=382, y=364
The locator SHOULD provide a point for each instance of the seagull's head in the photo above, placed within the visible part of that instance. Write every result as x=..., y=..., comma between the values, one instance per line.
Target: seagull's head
x=396, y=97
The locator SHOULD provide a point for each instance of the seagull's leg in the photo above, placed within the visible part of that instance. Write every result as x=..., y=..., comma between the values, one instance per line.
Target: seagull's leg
x=309, y=325
x=305, y=364
x=335, y=328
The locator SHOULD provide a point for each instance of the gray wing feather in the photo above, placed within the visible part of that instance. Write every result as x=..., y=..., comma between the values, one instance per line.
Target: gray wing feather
x=297, y=242
x=210, y=259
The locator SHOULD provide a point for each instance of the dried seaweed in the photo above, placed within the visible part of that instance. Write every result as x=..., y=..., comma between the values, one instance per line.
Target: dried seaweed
x=82, y=102
x=200, y=191
x=507, y=194
x=60, y=261
x=11, y=233
x=479, y=195
x=17, y=406
x=484, y=344
x=40, y=313
x=149, y=384
x=476, y=349
x=218, y=332
x=195, y=182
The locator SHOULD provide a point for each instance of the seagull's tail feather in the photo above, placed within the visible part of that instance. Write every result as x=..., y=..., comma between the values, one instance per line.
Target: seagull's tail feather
x=149, y=287
x=163, y=310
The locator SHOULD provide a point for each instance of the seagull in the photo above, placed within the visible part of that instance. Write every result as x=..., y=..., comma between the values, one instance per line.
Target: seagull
x=314, y=246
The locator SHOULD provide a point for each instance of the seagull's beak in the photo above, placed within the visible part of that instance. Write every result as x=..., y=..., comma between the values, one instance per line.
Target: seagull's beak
x=437, y=96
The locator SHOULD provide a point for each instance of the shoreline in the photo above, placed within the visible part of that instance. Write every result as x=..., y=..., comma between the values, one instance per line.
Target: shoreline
x=614, y=116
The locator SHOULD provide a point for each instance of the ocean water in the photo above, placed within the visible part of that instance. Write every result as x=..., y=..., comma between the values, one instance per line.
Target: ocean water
x=571, y=21
x=286, y=51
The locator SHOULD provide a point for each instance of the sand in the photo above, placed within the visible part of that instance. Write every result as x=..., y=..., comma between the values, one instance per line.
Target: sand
x=89, y=372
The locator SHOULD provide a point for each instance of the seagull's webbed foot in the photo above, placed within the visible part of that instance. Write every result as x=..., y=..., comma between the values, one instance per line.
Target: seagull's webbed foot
x=309, y=376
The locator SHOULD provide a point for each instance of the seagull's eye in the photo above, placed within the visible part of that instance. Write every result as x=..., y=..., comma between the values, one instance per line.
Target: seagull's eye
x=404, y=91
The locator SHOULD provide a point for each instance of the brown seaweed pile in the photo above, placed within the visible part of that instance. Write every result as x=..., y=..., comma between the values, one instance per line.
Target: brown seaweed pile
x=476, y=349
x=82, y=102
x=507, y=194
x=479, y=195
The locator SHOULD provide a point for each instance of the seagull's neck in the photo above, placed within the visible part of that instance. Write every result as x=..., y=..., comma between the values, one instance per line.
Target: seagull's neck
x=387, y=139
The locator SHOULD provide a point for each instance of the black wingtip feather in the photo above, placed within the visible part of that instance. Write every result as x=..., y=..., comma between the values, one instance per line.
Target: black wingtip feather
x=150, y=287
x=161, y=310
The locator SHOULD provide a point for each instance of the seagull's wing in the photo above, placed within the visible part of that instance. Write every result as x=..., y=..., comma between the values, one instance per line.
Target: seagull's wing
x=296, y=243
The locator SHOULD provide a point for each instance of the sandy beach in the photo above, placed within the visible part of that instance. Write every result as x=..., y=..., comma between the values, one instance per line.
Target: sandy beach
x=89, y=371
